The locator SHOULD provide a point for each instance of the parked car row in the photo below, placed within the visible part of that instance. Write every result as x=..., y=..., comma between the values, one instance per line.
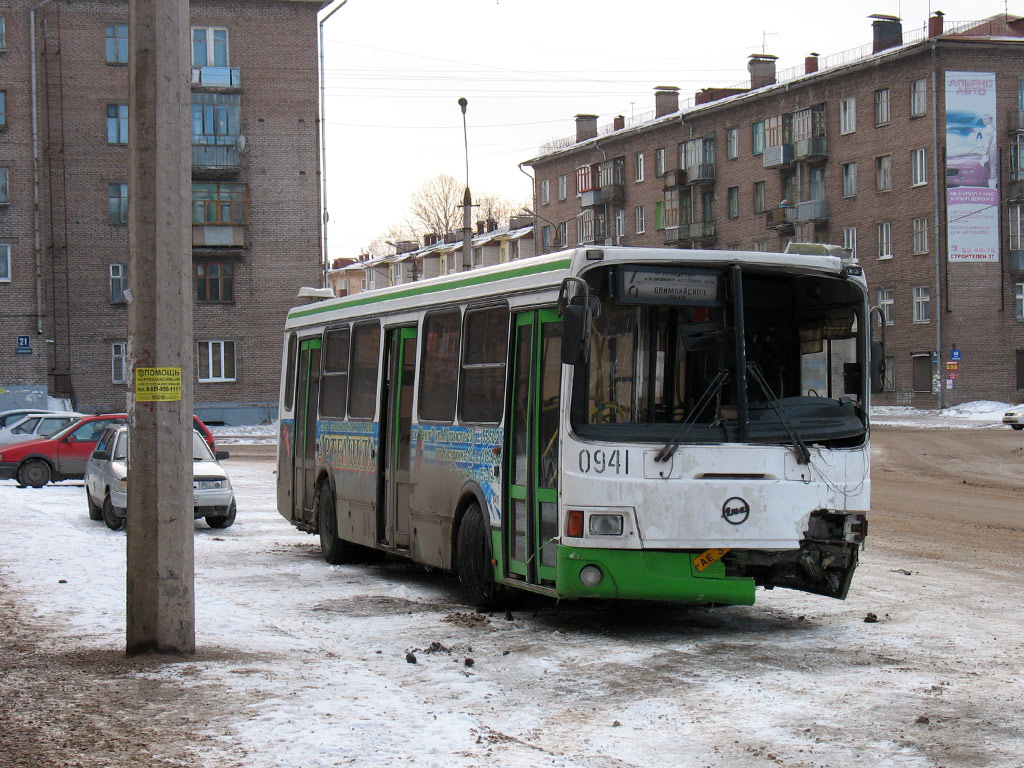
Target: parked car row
x=1015, y=417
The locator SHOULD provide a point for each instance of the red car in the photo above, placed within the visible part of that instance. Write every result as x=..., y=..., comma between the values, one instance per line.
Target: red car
x=63, y=456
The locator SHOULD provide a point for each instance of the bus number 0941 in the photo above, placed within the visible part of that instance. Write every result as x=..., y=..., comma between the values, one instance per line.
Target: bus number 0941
x=614, y=462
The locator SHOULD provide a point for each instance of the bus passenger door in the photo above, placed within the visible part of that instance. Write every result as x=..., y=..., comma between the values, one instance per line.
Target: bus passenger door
x=530, y=522
x=397, y=425
x=307, y=395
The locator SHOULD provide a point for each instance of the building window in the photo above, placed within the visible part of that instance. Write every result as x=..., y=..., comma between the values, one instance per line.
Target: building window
x=848, y=115
x=4, y=196
x=1016, y=223
x=758, y=197
x=117, y=203
x=889, y=378
x=886, y=302
x=613, y=172
x=732, y=143
x=850, y=240
x=638, y=161
x=640, y=216
x=118, y=283
x=5, y=263
x=216, y=361
x=885, y=240
x=883, y=173
x=117, y=123
x=733, y=202
x=118, y=357
x=882, y=107
x=918, y=167
x=1020, y=369
x=219, y=203
x=546, y=236
x=215, y=283
x=3, y=33
x=922, y=363
x=761, y=245
x=563, y=187
x=757, y=138
x=619, y=222
x=1020, y=301
x=918, y=97
x=659, y=162
x=117, y=44
x=921, y=235
x=922, y=305
x=849, y=179
x=584, y=179
x=3, y=109
x=216, y=119
x=209, y=47
x=545, y=192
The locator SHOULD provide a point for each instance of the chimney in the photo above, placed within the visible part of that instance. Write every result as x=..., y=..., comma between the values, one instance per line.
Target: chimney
x=431, y=238
x=666, y=100
x=492, y=225
x=406, y=246
x=618, y=123
x=586, y=127
x=762, y=70
x=935, y=24
x=519, y=222
x=887, y=32
x=480, y=227
x=810, y=64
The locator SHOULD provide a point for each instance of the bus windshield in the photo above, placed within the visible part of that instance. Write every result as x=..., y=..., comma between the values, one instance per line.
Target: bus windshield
x=733, y=354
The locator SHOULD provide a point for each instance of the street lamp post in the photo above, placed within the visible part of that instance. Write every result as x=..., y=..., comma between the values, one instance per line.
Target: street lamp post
x=467, y=200
x=323, y=137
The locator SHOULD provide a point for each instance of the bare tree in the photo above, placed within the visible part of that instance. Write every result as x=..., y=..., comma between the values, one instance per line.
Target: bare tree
x=437, y=206
x=381, y=245
x=501, y=209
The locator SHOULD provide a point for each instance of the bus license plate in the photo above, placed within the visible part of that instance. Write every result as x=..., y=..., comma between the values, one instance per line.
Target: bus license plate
x=705, y=559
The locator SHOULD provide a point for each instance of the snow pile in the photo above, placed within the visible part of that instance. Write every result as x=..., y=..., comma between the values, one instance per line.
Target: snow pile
x=978, y=414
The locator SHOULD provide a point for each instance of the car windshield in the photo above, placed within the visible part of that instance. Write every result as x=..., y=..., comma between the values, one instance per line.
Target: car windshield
x=64, y=432
x=200, y=450
x=674, y=357
x=120, y=452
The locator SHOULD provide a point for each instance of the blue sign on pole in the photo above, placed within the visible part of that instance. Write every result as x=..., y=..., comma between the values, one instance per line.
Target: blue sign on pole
x=24, y=346
x=955, y=354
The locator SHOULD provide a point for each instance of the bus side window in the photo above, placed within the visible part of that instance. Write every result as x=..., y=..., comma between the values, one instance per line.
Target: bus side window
x=481, y=396
x=362, y=396
x=289, y=376
x=334, y=385
x=440, y=365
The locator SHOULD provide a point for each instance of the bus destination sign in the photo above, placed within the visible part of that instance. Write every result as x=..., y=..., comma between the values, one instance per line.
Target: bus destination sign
x=668, y=286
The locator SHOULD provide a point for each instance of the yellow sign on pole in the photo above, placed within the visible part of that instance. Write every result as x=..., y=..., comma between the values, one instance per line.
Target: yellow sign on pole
x=154, y=385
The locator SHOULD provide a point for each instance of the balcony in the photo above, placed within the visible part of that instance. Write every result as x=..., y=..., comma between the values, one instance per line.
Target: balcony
x=812, y=210
x=613, y=194
x=676, y=235
x=215, y=157
x=701, y=230
x=674, y=179
x=780, y=219
x=218, y=236
x=590, y=198
x=217, y=77
x=810, y=149
x=700, y=174
x=778, y=157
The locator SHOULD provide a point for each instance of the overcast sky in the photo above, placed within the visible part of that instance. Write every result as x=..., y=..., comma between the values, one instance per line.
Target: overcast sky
x=395, y=70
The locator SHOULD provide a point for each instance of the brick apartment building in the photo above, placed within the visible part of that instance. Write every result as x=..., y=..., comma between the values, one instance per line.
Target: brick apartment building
x=255, y=198
x=907, y=151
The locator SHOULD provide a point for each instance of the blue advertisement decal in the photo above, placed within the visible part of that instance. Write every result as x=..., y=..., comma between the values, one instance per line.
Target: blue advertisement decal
x=348, y=445
x=474, y=452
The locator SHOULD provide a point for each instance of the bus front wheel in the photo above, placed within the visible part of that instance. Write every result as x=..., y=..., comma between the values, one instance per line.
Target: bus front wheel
x=336, y=550
x=473, y=558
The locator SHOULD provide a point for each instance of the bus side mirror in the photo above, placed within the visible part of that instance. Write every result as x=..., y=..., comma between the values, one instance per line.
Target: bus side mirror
x=575, y=336
x=877, y=367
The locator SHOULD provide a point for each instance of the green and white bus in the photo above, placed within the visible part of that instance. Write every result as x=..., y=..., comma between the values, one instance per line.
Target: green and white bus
x=607, y=422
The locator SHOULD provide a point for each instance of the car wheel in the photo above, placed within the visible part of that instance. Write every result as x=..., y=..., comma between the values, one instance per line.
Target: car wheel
x=222, y=521
x=473, y=559
x=110, y=517
x=1017, y=426
x=34, y=472
x=335, y=549
x=95, y=510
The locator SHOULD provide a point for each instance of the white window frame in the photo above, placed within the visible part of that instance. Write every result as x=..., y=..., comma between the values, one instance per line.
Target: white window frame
x=619, y=222
x=638, y=163
x=1020, y=301
x=885, y=240
x=732, y=202
x=850, y=179
x=732, y=143
x=5, y=263
x=922, y=304
x=850, y=240
x=887, y=303
x=211, y=47
x=919, y=167
x=215, y=352
x=119, y=124
x=1015, y=221
x=563, y=234
x=920, y=228
x=759, y=197
x=640, y=219
x=883, y=173
x=918, y=97
x=119, y=52
x=882, y=107
x=121, y=216
x=848, y=115
x=118, y=362
x=659, y=162
x=563, y=187
x=118, y=282
x=545, y=192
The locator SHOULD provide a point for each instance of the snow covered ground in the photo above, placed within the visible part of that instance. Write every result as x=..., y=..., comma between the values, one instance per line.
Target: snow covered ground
x=315, y=658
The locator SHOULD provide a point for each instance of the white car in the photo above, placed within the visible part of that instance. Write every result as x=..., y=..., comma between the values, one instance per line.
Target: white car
x=106, y=481
x=1015, y=417
x=7, y=418
x=34, y=426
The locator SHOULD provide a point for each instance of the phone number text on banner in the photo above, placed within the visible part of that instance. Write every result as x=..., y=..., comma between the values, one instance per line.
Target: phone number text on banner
x=157, y=385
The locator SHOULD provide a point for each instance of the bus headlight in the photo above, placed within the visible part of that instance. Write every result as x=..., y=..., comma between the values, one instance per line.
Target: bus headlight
x=605, y=525
x=590, y=576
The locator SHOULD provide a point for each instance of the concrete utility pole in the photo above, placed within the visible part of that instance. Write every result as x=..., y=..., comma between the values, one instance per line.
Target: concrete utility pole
x=467, y=200
x=161, y=589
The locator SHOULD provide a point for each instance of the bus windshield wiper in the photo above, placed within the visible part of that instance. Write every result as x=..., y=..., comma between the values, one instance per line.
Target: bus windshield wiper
x=799, y=446
x=713, y=388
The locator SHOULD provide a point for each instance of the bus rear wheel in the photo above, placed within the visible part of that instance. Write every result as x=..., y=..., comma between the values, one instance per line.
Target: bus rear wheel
x=473, y=559
x=335, y=550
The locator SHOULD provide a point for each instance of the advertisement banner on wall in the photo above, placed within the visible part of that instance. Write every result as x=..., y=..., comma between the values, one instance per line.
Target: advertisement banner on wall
x=972, y=167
